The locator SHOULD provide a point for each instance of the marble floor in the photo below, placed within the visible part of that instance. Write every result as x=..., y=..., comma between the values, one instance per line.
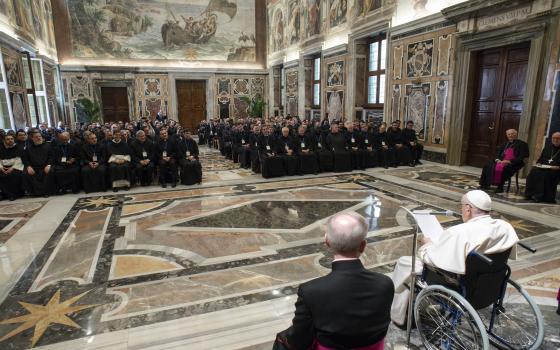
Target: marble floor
x=217, y=265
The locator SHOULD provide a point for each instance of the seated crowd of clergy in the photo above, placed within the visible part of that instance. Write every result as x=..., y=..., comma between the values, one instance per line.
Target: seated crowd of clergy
x=543, y=178
x=288, y=146
x=45, y=161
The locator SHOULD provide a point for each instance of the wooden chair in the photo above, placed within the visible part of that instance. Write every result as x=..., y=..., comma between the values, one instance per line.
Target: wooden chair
x=516, y=182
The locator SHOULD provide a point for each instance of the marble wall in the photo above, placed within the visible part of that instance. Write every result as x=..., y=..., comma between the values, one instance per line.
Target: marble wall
x=419, y=83
x=15, y=83
x=151, y=95
x=334, y=77
x=230, y=90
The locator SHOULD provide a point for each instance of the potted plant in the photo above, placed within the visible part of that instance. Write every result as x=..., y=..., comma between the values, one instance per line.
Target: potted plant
x=91, y=110
x=255, y=106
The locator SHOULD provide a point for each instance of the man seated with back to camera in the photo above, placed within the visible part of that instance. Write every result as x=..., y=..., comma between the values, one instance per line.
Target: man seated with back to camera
x=478, y=232
x=348, y=308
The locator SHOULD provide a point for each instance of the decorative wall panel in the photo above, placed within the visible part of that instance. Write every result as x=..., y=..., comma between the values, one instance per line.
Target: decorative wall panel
x=16, y=87
x=230, y=88
x=395, y=102
x=444, y=54
x=335, y=105
x=442, y=90
x=335, y=73
x=397, y=62
x=417, y=101
x=292, y=92
x=419, y=59
x=151, y=94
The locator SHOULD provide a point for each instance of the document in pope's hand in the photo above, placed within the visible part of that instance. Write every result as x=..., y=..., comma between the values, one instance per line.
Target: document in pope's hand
x=429, y=224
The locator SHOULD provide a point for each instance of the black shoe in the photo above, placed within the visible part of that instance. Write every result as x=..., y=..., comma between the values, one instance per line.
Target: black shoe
x=174, y=185
x=127, y=188
x=386, y=167
x=418, y=162
x=163, y=185
x=499, y=189
x=46, y=196
x=11, y=199
x=115, y=189
x=558, y=310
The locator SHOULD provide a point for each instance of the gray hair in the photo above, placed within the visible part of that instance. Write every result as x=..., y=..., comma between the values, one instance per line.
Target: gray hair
x=346, y=231
x=139, y=133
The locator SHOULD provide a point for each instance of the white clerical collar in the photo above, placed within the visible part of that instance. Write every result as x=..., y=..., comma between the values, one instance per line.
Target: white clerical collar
x=479, y=218
x=345, y=259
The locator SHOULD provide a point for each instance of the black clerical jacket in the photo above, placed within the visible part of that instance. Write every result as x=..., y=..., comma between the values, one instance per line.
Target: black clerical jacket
x=520, y=151
x=168, y=146
x=285, y=143
x=143, y=150
x=189, y=145
x=348, y=308
x=409, y=135
x=88, y=150
x=38, y=155
x=394, y=137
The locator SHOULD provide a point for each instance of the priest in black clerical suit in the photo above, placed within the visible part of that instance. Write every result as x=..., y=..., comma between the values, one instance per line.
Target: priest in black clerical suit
x=11, y=168
x=324, y=154
x=93, y=162
x=38, y=160
x=143, y=158
x=370, y=148
x=411, y=141
x=191, y=169
x=308, y=162
x=386, y=153
x=396, y=141
x=356, y=145
x=66, y=164
x=271, y=164
x=166, y=153
x=244, y=149
x=119, y=157
x=508, y=160
x=255, y=149
x=350, y=307
x=336, y=142
x=287, y=148
x=543, y=179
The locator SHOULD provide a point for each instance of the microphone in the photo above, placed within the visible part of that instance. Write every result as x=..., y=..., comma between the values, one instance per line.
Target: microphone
x=429, y=212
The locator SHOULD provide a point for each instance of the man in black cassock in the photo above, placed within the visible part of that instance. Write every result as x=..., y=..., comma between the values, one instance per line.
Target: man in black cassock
x=166, y=151
x=119, y=158
x=356, y=144
x=94, y=170
x=143, y=155
x=411, y=141
x=244, y=149
x=271, y=164
x=11, y=168
x=396, y=141
x=308, y=162
x=543, y=179
x=287, y=149
x=66, y=164
x=336, y=142
x=191, y=169
x=324, y=154
x=370, y=149
x=508, y=160
x=38, y=160
x=254, y=148
x=386, y=154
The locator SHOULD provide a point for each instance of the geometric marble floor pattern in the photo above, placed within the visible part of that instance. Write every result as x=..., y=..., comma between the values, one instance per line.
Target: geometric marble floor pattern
x=217, y=266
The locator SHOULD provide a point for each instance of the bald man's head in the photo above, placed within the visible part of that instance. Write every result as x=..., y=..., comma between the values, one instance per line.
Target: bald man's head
x=346, y=233
x=555, y=138
x=511, y=135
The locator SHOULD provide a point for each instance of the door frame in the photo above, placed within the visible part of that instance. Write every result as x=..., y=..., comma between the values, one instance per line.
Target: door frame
x=206, y=115
x=207, y=77
x=464, y=81
x=126, y=83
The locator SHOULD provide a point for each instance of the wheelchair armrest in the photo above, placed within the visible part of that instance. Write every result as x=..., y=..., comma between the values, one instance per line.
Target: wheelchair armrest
x=482, y=257
x=529, y=248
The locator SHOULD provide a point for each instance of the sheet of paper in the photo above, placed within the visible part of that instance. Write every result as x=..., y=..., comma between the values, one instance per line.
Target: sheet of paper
x=429, y=224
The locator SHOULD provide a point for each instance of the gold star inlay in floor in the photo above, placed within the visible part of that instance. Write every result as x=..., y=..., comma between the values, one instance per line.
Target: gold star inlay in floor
x=99, y=202
x=41, y=316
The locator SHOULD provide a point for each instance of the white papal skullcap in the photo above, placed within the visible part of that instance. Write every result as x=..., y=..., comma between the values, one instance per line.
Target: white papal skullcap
x=480, y=199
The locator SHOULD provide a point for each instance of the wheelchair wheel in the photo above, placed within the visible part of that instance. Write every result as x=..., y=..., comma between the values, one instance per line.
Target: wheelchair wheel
x=445, y=320
x=518, y=322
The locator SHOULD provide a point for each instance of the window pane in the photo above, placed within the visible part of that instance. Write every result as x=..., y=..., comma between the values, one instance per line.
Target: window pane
x=42, y=103
x=316, y=94
x=32, y=111
x=381, y=89
x=373, y=56
x=372, y=89
x=38, y=75
x=4, y=113
x=26, y=74
x=383, y=53
x=317, y=70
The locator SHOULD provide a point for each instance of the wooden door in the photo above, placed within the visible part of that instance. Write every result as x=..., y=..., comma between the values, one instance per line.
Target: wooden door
x=115, y=104
x=191, y=97
x=498, y=100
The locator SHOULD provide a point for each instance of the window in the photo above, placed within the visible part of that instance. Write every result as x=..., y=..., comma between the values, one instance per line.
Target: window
x=377, y=61
x=316, y=82
x=41, y=115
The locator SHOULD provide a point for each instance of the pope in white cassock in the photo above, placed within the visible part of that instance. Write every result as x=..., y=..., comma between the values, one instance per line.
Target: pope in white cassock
x=479, y=232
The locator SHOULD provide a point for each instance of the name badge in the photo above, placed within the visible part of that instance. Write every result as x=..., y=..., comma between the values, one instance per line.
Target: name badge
x=210, y=132
x=383, y=143
x=303, y=145
x=286, y=147
x=319, y=144
x=144, y=154
x=94, y=158
x=366, y=141
x=242, y=141
x=63, y=160
x=353, y=140
x=267, y=147
x=188, y=153
x=164, y=154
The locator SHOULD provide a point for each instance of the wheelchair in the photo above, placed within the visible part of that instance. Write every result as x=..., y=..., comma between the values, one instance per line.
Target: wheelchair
x=482, y=307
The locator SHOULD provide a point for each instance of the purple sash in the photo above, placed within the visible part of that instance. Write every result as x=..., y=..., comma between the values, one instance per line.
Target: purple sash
x=499, y=169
